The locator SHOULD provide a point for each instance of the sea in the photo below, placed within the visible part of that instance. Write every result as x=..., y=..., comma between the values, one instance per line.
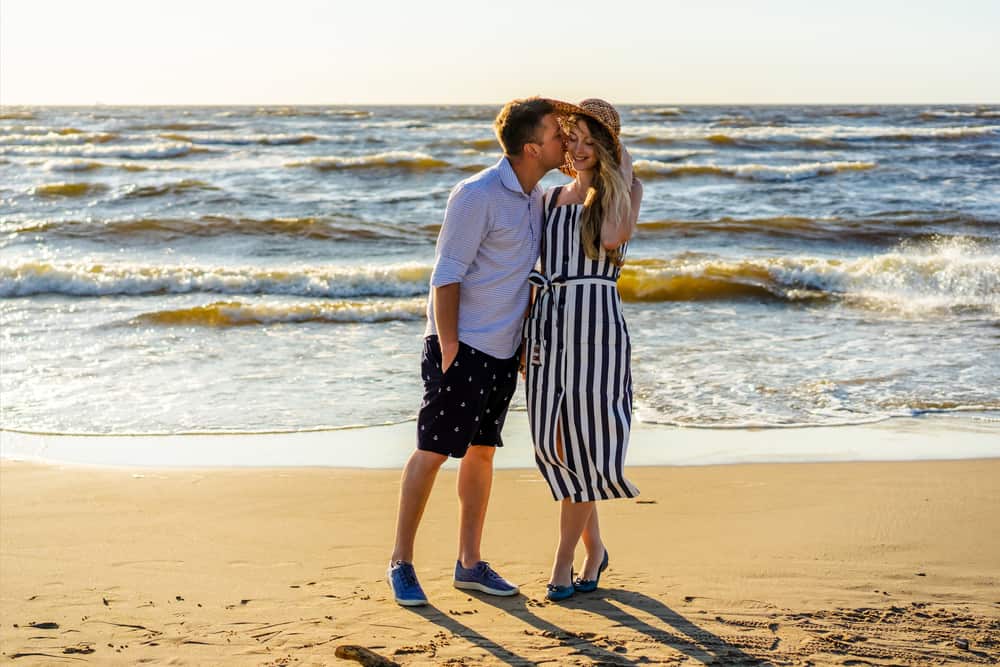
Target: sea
x=170, y=270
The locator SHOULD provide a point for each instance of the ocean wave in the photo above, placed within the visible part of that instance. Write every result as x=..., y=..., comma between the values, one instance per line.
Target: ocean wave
x=291, y=112
x=173, y=188
x=17, y=115
x=667, y=154
x=234, y=139
x=810, y=136
x=483, y=144
x=79, y=164
x=37, y=129
x=857, y=114
x=939, y=277
x=733, y=121
x=391, y=160
x=90, y=280
x=50, y=190
x=486, y=114
x=151, y=151
x=235, y=313
x=885, y=229
x=753, y=172
x=327, y=228
x=180, y=127
x=978, y=113
x=57, y=138
x=658, y=111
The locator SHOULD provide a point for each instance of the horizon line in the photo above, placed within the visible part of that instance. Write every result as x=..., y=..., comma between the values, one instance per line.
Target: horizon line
x=475, y=104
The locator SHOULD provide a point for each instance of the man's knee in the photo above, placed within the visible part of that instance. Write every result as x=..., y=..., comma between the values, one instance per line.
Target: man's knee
x=481, y=453
x=422, y=461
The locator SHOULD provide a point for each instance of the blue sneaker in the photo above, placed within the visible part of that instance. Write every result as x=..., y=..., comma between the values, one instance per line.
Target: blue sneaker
x=406, y=589
x=482, y=577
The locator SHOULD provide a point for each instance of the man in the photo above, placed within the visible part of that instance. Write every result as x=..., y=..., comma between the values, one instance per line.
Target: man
x=487, y=246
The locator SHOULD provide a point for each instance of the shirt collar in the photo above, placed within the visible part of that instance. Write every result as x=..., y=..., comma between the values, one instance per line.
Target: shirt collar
x=509, y=178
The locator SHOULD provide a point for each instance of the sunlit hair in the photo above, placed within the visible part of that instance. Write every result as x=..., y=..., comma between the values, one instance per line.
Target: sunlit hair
x=519, y=121
x=608, y=192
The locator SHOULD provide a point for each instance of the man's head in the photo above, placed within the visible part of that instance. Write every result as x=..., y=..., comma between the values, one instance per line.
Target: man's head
x=530, y=129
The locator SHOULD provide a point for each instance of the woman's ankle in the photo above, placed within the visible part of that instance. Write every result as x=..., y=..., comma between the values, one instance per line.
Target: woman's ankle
x=562, y=574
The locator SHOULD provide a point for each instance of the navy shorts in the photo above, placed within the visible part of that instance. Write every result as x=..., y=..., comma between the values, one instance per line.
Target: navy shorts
x=467, y=404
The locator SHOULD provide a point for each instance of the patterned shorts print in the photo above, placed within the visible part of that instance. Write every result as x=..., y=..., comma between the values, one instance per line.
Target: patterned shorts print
x=467, y=404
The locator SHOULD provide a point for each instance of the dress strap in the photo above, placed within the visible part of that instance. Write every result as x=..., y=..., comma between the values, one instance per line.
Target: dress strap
x=553, y=198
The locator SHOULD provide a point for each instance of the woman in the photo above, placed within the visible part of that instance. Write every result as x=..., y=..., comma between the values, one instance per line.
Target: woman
x=579, y=383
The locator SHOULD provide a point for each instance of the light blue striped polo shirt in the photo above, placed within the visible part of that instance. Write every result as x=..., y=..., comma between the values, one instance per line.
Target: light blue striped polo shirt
x=489, y=243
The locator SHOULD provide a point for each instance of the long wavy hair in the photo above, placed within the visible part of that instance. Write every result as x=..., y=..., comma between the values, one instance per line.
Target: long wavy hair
x=608, y=192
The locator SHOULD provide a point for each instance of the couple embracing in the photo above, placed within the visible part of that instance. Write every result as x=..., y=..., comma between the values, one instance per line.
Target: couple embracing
x=492, y=316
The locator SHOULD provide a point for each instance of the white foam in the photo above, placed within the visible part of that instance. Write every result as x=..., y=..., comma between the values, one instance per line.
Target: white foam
x=157, y=150
x=53, y=138
x=83, y=279
x=753, y=172
x=387, y=159
x=239, y=139
x=808, y=133
x=939, y=276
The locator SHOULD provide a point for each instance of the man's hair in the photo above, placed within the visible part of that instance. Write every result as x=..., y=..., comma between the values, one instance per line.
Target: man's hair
x=518, y=121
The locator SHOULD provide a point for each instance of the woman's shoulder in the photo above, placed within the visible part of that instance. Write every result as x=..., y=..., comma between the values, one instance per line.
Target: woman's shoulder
x=555, y=191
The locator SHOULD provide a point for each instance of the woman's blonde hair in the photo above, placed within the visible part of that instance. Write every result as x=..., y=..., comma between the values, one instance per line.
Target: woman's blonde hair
x=608, y=192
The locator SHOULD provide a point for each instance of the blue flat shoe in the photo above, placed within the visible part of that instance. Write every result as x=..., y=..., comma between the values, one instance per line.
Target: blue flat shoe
x=585, y=585
x=559, y=593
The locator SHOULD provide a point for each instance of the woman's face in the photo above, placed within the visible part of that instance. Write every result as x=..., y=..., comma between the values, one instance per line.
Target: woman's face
x=580, y=145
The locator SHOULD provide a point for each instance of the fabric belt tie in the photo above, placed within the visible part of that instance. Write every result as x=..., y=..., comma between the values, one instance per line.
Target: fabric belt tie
x=545, y=287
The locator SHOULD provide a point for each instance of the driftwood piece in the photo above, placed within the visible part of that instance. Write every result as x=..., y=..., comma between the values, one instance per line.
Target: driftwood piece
x=365, y=656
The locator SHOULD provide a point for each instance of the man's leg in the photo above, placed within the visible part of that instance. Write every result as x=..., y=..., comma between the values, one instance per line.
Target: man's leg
x=415, y=488
x=475, y=479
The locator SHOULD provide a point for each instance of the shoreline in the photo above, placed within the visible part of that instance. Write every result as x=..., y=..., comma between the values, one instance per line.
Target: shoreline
x=923, y=438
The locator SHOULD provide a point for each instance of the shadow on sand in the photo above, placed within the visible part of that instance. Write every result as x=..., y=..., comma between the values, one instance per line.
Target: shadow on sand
x=680, y=635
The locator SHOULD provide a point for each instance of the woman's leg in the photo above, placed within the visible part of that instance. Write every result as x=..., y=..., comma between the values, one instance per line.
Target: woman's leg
x=572, y=519
x=594, y=545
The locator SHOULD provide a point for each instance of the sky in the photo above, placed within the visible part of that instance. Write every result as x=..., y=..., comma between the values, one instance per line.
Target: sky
x=449, y=52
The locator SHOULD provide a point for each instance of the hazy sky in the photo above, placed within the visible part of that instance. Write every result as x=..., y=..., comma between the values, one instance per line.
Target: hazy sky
x=443, y=51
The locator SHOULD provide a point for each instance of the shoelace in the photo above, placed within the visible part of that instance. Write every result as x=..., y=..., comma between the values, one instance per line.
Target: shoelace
x=490, y=573
x=408, y=575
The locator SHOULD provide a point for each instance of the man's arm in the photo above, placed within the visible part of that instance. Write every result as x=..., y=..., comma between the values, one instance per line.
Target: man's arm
x=463, y=230
x=446, y=322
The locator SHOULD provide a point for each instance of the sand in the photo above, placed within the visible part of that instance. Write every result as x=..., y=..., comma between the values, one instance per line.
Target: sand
x=819, y=563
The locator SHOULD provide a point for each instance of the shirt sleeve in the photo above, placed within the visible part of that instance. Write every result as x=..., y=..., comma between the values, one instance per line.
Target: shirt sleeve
x=466, y=223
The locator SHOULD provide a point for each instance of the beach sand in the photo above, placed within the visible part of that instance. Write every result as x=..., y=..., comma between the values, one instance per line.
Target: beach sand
x=817, y=563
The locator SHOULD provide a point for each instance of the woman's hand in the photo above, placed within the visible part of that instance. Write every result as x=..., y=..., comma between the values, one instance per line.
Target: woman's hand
x=626, y=166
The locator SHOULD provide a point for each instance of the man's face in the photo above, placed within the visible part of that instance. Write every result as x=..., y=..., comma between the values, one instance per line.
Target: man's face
x=552, y=142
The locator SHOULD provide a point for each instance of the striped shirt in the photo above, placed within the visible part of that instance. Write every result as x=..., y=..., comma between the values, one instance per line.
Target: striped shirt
x=489, y=244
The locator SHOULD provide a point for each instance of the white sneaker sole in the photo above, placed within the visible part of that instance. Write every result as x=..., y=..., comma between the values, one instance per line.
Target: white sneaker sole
x=476, y=586
x=411, y=603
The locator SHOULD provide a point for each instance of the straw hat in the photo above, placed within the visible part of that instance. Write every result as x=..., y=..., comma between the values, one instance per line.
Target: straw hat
x=599, y=110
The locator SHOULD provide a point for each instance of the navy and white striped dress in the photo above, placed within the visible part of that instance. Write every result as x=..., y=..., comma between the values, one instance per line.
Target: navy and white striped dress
x=579, y=379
